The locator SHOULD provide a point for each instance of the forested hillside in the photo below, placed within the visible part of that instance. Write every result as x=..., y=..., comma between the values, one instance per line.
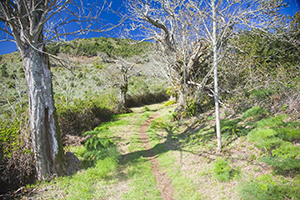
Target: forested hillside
x=141, y=120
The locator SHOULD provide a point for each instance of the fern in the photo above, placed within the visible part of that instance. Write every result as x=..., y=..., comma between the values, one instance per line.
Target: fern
x=264, y=139
x=255, y=112
x=283, y=165
x=289, y=133
x=222, y=171
x=271, y=121
x=265, y=187
x=287, y=150
x=95, y=143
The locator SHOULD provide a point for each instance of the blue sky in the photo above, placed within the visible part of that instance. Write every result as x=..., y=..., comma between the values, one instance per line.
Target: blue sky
x=9, y=47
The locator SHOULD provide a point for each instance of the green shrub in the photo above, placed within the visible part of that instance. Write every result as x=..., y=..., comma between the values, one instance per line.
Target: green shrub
x=271, y=121
x=287, y=150
x=283, y=166
x=231, y=128
x=288, y=133
x=4, y=72
x=266, y=187
x=9, y=139
x=262, y=93
x=95, y=143
x=99, y=149
x=264, y=139
x=255, y=112
x=84, y=115
x=222, y=171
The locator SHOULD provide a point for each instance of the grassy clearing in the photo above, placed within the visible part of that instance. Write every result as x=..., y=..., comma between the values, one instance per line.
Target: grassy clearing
x=249, y=168
x=108, y=176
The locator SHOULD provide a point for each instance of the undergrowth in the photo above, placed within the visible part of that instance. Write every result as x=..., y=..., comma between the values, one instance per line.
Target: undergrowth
x=223, y=171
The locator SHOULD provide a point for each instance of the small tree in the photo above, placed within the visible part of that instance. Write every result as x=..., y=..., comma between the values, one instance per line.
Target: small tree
x=122, y=83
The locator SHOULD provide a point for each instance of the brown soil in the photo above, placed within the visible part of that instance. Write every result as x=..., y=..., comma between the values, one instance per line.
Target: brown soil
x=163, y=182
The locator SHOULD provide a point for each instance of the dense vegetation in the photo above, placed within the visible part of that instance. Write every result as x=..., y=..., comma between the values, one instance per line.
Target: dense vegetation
x=111, y=47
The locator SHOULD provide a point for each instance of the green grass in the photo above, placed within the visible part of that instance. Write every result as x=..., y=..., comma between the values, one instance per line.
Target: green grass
x=184, y=187
x=143, y=184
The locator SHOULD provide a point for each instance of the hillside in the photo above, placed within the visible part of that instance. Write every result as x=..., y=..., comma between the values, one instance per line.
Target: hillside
x=148, y=155
x=152, y=152
x=86, y=93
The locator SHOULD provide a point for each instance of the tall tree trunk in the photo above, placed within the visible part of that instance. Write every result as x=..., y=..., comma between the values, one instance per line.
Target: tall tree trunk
x=215, y=62
x=46, y=138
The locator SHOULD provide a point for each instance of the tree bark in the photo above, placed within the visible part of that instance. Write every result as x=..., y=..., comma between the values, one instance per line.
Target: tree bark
x=215, y=63
x=46, y=138
x=122, y=100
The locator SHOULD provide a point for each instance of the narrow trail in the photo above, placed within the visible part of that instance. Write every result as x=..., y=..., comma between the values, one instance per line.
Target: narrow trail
x=163, y=182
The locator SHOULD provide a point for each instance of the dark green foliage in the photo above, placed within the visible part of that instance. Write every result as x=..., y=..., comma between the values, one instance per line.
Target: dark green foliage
x=95, y=143
x=4, y=72
x=275, y=137
x=109, y=46
x=80, y=75
x=262, y=93
x=287, y=150
x=231, y=127
x=290, y=131
x=282, y=166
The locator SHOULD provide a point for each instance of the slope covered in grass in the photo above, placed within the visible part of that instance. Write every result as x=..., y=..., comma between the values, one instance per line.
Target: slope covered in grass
x=185, y=152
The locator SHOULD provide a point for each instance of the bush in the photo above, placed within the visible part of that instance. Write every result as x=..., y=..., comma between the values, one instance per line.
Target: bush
x=222, y=171
x=264, y=139
x=256, y=113
x=265, y=187
x=274, y=122
x=168, y=103
x=16, y=159
x=84, y=115
x=283, y=166
x=106, y=166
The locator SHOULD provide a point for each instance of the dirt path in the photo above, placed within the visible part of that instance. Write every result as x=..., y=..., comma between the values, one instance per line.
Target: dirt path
x=163, y=182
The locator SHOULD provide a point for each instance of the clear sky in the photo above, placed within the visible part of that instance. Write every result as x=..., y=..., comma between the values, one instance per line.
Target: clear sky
x=9, y=47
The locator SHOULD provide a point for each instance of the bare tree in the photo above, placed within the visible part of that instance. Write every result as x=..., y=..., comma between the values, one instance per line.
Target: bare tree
x=31, y=24
x=168, y=24
x=122, y=83
x=192, y=30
